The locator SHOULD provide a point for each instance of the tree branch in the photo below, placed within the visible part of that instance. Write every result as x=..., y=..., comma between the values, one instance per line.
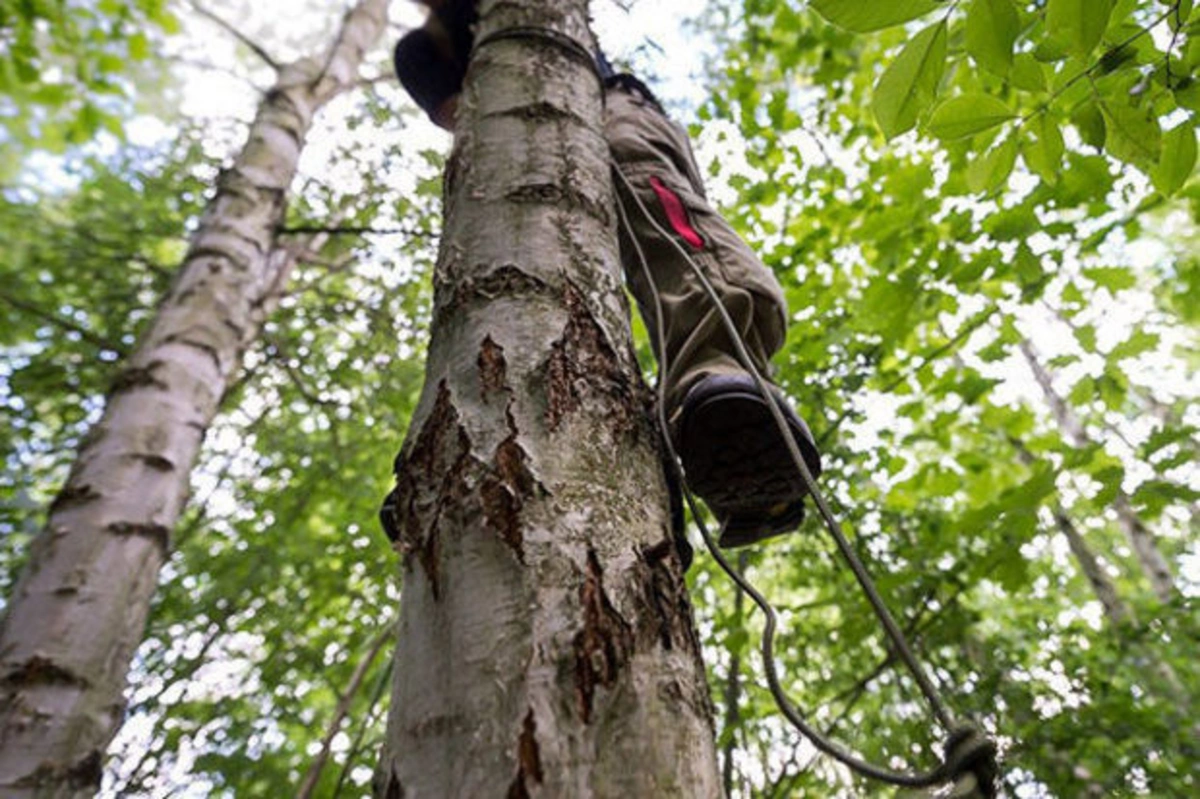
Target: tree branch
x=64, y=324
x=953, y=344
x=354, y=231
x=343, y=710
x=254, y=46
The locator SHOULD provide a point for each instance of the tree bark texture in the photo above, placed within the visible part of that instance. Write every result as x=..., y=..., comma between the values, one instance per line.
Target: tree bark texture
x=79, y=610
x=1154, y=565
x=546, y=644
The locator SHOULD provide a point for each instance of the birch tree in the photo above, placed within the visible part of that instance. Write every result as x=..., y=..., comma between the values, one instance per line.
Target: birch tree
x=79, y=609
x=546, y=640
x=1141, y=540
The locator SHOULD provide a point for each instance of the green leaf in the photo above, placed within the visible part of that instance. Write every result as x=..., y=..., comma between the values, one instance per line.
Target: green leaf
x=1177, y=161
x=1180, y=14
x=1187, y=93
x=992, y=29
x=909, y=85
x=1030, y=271
x=1028, y=73
x=1086, y=336
x=1043, y=148
x=1134, y=135
x=1138, y=342
x=989, y=172
x=139, y=46
x=968, y=114
x=864, y=17
x=1078, y=23
x=1090, y=123
x=1113, y=278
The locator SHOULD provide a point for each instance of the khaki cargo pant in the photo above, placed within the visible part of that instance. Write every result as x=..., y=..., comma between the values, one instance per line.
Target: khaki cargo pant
x=655, y=157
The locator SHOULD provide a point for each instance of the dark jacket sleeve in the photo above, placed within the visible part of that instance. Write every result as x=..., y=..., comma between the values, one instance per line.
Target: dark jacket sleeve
x=425, y=71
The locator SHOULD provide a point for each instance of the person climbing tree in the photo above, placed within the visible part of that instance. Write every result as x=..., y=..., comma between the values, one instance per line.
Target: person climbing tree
x=536, y=639
x=733, y=454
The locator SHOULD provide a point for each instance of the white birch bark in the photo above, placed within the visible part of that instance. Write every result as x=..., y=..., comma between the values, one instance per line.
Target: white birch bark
x=79, y=610
x=1154, y=565
x=547, y=647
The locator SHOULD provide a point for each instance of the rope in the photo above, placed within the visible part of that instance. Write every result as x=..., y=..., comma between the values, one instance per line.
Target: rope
x=969, y=755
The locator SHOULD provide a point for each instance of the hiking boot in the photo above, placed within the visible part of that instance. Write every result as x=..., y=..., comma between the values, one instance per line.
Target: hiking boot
x=736, y=460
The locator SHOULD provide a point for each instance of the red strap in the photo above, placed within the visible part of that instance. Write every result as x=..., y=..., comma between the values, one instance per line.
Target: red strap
x=677, y=214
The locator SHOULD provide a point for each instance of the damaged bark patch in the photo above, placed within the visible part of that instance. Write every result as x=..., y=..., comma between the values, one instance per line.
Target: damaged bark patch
x=664, y=594
x=84, y=774
x=87, y=771
x=394, y=789
x=39, y=670
x=529, y=760
x=605, y=644
x=73, y=495
x=504, y=281
x=506, y=489
x=583, y=363
x=568, y=198
x=156, y=533
x=429, y=477
x=202, y=346
x=156, y=462
x=492, y=368
x=543, y=110
x=134, y=377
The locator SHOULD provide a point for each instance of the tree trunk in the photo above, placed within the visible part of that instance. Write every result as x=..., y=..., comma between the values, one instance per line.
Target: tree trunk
x=309, y=786
x=1102, y=585
x=1153, y=564
x=733, y=687
x=546, y=643
x=78, y=612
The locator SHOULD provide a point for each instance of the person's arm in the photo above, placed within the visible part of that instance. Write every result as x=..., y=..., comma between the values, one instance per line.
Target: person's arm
x=431, y=77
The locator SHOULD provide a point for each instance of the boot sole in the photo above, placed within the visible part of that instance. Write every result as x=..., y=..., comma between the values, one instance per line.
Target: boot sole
x=737, y=461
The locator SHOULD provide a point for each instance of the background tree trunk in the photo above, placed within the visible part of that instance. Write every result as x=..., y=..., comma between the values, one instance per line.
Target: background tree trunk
x=78, y=612
x=547, y=646
x=1154, y=565
x=1088, y=562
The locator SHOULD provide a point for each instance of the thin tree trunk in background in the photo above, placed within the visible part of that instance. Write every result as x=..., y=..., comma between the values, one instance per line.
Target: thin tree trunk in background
x=1114, y=608
x=546, y=644
x=1102, y=585
x=343, y=709
x=1154, y=565
x=79, y=610
x=733, y=687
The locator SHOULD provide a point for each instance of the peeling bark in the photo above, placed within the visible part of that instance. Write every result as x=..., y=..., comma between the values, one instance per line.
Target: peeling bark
x=547, y=646
x=81, y=604
x=604, y=645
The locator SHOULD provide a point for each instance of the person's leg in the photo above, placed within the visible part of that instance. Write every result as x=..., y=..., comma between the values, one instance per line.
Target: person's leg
x=733, y=453
x=658, y=176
